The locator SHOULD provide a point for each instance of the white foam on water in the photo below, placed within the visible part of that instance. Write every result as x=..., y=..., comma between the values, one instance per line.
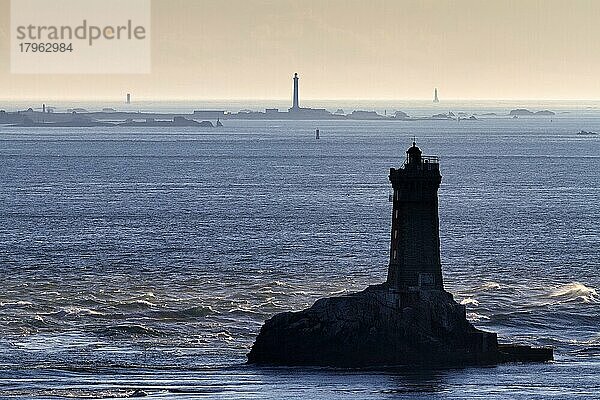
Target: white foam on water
x=474, y=317
x=16, y=303
x=575, y=292
x=72, y=310
x=490, y=286
x=470, y=301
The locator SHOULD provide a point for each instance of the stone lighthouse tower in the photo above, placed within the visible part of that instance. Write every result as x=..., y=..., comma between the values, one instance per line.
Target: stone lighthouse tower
x=415, y=243
x=295, y=98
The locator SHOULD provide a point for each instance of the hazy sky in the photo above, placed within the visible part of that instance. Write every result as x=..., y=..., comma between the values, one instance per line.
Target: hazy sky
x=349, y=49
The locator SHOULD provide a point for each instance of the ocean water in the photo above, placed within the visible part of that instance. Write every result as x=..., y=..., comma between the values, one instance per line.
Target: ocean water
x=144, y=261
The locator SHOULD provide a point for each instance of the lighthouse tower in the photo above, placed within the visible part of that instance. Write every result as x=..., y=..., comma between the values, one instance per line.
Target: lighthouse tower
x=415, y=244
x=295, y=98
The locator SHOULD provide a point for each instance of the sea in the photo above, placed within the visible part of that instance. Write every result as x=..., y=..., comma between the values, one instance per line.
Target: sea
x=143, y=261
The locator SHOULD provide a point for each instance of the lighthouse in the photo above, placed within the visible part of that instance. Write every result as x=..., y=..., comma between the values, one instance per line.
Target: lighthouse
x=415, y=242
x=295, y=101
x=411, y=320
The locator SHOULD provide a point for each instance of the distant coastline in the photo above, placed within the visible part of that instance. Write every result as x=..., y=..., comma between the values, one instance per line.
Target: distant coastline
x=202, y=118
x=109, y=116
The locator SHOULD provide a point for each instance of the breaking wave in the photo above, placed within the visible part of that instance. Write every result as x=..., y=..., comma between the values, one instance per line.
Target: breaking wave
x=469, y=301
x=474, y=317
x=575, y=292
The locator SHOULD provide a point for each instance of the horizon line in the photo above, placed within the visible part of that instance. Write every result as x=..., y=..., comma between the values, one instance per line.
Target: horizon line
x=179, y=99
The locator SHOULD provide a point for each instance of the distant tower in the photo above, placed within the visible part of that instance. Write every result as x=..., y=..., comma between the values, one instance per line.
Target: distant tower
x=435, y=96
x=415, y=243
x=128, y=98
x=295, y=102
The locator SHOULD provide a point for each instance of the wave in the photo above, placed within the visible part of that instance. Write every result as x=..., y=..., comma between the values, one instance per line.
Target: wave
x=575, y=292
x=490, y=286
x=16, y=304
x=136, y=304
x=133, y=329
x=224, y=335
x=81, y=311
x=243, y=311
x=186, y=313
x=470, y=301
x=474, y=317
x=338, y=292
x=73, y=311
x=83, y=393
x=277, y=283
x=198, y=311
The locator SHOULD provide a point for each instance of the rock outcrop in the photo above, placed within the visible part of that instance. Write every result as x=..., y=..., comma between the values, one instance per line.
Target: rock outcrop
x=377, y=327
x=525, y=112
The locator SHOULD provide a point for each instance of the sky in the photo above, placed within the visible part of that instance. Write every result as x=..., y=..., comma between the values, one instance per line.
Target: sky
x=347, y=49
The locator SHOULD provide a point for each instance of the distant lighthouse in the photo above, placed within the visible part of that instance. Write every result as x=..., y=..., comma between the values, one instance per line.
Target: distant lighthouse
x=415, y=243
x=128, y=98
x=295, y=101
x=435, y=96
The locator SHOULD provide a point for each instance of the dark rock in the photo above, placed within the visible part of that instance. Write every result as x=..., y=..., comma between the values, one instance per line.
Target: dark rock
x=523, y=111
x=376, y=327
x=520, y=111
x=545, y=112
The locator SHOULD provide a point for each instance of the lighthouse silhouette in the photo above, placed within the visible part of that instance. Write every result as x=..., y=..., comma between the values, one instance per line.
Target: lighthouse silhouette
x=295, y=97
x=415, y=243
